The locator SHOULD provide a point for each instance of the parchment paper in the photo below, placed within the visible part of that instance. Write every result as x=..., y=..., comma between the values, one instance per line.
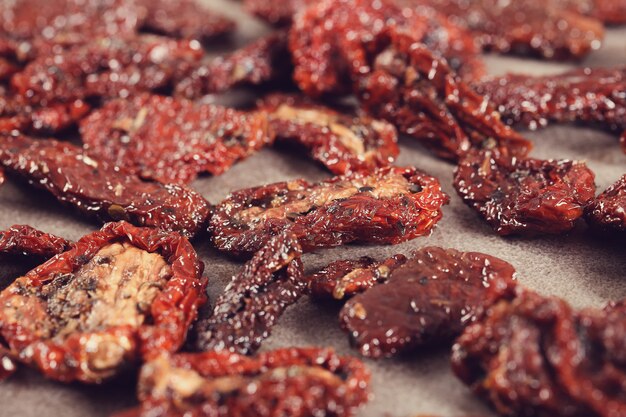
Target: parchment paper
x=585, y=270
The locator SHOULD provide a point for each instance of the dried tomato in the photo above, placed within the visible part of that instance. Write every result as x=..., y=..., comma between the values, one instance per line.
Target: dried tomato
x=387, y=206
x=533, y=27
x=524, y=196
x=172, y=140
x=583, y=95
x=622, y=141
x=276, y=13
x=590, y=359
x=295, y=382
x=35, y=27
x=255, y=299
x=107, y=67
x=426, y=301
x=343, y=142
x=575, y=359
x=117, y=295
x=450, y=40
x=612, y=12
x=608, y=211
x=101, y=190
x=28, y=241
x=16, y=114
x=184, y=19
x=264, y=61
x=342, y=279
x=506, y=348
x=397, y=79
x=441, y=35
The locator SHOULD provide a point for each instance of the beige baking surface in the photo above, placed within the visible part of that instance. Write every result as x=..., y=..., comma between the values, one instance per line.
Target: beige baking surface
x=584, y=270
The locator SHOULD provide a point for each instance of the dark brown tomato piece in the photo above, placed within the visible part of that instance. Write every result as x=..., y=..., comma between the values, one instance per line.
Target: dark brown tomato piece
x=184, y=19
x=423, y=98
x=118, y=295
x=590, y=96
x=608, y=211
x=255, y=299
x=265, y=61
x=453, y=42
x=380, y=58
x=38, y=27
x=343, y=142
x=28, y=241
x=611, y=12
x=386, y=206
x=524, y=196
x=442, y=36
x=590, y=361
x=499, y=354
x=172, y=140
x=426, y=301
x=101, y=190
x=276, y=13
x=327, y=41
x=340, y=280
x=295, y=382
x=107, y=67
x=17, y=114
x=540, y=28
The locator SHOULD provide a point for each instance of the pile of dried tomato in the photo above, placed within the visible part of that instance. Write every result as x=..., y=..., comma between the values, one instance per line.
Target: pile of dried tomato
x=340, y=80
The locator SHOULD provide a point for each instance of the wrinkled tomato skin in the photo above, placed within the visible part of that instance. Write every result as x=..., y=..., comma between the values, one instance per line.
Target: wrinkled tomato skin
x=171, y=312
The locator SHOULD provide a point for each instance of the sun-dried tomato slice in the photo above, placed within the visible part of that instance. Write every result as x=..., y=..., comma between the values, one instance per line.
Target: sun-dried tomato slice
x=101, y=190
x=612, y=12
x=524, y=196
x=117, y=295
x=184, y=19
x=589, y=359
x=255, y=299
x=343, y=142
x=342, y=279
x=506, y=348
x=533, y=27
x=35, y=28
x=264, y=61
x=387, y=206
x=295, y=382
x=453, y=42
x=107, y=67
x=379, y=57
x=172, y=140
x=32, y=243
x=28, y=241
x=589, y=95
x=576, y=359
x=16, y=114
x=38, y=27
x=276, y=13
x=427, y=300
x=608, y=211
x=441, y=35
